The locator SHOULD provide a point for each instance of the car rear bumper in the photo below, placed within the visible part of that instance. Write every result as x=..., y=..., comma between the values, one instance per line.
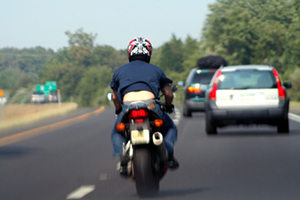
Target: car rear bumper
x=194, y=106
x=258, y=115
x=247, y=114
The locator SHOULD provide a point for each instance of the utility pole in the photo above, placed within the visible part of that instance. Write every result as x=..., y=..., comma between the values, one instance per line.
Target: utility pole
x=58, y=97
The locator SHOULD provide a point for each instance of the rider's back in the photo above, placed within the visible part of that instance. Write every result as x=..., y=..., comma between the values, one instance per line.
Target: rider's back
x=139, y=80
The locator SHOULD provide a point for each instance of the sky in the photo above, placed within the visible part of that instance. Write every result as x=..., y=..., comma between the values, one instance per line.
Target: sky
x=31, y=23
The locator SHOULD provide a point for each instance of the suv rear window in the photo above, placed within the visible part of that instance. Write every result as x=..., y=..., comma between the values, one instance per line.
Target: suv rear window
x=203, y=77
x=244, y=79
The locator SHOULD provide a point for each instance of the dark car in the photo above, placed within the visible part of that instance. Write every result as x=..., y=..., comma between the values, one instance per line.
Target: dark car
x=198, y=82
x=247, y=94
x=53, y=97
x=195, y=87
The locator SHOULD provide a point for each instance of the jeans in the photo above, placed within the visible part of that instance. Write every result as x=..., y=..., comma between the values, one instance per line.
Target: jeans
x=169, y=130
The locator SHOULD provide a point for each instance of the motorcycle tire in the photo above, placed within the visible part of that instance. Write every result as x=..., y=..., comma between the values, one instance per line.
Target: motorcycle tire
x=146, y=181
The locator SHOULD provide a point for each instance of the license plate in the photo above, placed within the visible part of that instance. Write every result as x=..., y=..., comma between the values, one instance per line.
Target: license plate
x=247, y=97
x=140, y=137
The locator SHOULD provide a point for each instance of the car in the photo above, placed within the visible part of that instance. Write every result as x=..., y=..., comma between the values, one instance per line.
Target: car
x=247, y=94
x=194, y=90
x=37, y=97
x=52, y=98
x=197, y=83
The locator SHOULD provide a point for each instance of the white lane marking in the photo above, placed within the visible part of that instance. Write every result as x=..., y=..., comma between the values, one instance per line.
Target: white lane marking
x=294, y=117
x=177, y=116
x=176, y=121
x=81, y=192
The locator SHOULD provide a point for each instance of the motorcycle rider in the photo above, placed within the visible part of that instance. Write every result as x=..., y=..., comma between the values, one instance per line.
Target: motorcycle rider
x=140, y=80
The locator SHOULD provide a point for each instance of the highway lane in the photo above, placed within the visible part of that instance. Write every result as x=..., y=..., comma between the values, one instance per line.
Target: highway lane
x=239, y=163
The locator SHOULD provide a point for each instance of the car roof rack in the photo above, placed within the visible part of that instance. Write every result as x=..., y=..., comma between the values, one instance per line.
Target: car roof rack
x=211, y=62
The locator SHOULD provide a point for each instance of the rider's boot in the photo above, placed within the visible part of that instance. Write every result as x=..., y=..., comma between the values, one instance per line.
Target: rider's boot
x=124, y=168
x=172, y=162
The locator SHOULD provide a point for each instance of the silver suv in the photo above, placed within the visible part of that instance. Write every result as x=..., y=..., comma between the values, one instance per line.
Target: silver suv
x=247, y=94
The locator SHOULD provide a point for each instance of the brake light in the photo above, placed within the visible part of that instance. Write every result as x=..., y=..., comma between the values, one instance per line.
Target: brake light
x=138, y=121
x=213, y=91
x=134, y=114
x=192, y=89
x=281, y=90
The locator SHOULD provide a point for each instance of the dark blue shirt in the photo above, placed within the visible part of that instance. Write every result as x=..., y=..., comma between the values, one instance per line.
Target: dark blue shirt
x=136, y=76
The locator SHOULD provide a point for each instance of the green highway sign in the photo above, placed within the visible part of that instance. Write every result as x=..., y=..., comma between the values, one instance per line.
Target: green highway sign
x=51, y=85
x=39, y=88
x=46, y=90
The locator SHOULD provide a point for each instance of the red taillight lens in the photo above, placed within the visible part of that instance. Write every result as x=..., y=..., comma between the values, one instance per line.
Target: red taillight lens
x=138, y=121
x=281, y=90
x=213, y=91
x=138, y=114
x=192, y=89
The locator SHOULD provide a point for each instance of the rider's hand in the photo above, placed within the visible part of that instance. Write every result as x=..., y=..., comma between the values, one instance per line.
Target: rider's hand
x=118, y=111
x=169, y=109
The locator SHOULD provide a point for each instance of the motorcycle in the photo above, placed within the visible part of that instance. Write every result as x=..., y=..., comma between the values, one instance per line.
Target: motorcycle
x=145, y=152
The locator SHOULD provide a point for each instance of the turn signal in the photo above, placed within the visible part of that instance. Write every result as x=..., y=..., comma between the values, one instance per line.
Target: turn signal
x=158, y=122
x=121, y=127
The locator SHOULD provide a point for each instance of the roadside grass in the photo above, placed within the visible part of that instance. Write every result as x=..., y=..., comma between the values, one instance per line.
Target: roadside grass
x=16, y=115
x=295, y=105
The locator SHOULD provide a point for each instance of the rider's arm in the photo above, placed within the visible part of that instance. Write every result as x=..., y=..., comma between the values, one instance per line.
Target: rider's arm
x=167, y=91
x=116, y=101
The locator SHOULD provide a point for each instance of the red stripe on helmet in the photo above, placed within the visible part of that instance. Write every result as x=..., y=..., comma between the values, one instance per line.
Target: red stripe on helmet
x=129, y=51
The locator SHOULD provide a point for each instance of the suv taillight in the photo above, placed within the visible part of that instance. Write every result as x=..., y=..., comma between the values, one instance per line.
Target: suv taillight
x=281, y=90
x=213, y=91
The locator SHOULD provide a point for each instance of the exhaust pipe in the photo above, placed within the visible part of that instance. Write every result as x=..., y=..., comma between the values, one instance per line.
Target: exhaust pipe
x=158, y=141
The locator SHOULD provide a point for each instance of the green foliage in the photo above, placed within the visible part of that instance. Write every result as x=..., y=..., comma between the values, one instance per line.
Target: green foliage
x=171, y=57
x=190, y=47
x=21, y=96
x=81, y=70
x=250, y=31
x=19, y=68
x=94, y=80
x=13, y=79
x=80, y=38
x=294, y=91
x=29, y=60
x=108, y=56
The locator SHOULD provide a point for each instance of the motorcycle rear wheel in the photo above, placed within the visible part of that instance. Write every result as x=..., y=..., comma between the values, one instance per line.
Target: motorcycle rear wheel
x=146, y=181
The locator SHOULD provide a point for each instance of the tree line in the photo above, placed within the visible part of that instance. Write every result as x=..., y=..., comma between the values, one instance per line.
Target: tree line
x=242, y=31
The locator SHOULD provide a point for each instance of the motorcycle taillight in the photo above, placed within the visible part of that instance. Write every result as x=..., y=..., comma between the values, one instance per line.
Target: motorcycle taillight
x=134, y=114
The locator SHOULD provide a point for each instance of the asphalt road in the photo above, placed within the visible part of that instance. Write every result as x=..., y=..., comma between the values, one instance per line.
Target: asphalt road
x=74, y=162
